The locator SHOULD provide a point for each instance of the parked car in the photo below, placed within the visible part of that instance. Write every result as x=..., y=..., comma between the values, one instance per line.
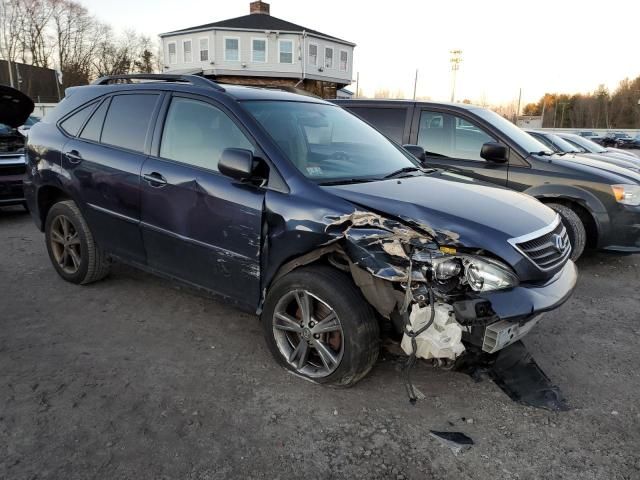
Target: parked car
x=15, y=108
x=590, y=135
x=26, y=126
x=592, y=147
x=635, y=142
x=563, y=147
x=291, y=207
x=616, y=139
x=599, y=203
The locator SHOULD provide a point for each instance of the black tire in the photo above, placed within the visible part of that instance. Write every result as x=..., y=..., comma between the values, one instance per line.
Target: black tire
x=360, y=331
x=575, y=228
x=93, y=264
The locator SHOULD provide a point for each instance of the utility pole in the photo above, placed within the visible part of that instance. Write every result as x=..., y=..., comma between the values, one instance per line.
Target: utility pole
x=357, y=84
x=518, y=110
x=415, y=85
x=456, y=59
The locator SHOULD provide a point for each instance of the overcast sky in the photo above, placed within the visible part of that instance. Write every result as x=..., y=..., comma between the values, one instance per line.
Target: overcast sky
x=542, y=46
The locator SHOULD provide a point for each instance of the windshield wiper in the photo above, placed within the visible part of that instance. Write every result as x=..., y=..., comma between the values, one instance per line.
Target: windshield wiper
x=404, y=170
x=347, y=181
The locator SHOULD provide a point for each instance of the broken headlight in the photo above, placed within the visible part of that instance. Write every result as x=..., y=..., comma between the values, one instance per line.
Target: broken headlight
x=481, y=274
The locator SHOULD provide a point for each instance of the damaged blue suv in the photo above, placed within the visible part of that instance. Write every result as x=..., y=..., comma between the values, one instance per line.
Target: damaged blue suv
x=293, y=208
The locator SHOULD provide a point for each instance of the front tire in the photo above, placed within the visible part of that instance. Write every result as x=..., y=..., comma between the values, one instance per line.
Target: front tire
x=575, y=229
x=318, y=325
x=72, y=250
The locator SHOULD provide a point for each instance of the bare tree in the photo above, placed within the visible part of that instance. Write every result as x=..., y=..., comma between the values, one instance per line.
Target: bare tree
x=35, y=45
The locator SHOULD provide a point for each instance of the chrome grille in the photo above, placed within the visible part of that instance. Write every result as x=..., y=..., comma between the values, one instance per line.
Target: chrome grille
x=546, y=249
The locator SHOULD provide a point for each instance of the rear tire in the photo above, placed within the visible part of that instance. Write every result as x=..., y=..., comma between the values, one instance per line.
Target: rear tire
x=575, y=228
x=353, y=340
x=72, y=250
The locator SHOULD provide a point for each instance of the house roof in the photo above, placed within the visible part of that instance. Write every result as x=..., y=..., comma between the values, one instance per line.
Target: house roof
x=257, y=22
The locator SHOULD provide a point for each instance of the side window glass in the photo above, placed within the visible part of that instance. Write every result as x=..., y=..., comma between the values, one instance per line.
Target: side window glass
x=93, y=128
x=449, y=136
x=128, y=120
x=389, y=121
x=196, y=133
x=73, y=124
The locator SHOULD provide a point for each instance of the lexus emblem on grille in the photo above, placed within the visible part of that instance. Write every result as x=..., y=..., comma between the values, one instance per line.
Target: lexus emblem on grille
x=558, y=243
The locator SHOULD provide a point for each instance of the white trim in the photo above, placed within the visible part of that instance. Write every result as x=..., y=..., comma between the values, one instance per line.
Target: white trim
x=346, y=66
x=200, y=50
x=266, y=49
x=184, y=53
x=229, y=29
x=293, y=47
x=175, y=44
x=317, y=53
x=224, y=49
x=333, y=58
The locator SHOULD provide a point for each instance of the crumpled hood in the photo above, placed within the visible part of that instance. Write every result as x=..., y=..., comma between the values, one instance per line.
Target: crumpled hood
x=478, y=216
x=15, y=106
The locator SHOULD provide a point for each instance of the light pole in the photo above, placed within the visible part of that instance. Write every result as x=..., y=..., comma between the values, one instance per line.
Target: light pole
x=456, y=59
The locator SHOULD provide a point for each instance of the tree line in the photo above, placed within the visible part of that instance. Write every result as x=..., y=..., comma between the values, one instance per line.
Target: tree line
x=63, y=35
x=598, y=109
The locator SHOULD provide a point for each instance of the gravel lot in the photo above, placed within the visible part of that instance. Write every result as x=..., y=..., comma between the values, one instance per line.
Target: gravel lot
x=137, y=377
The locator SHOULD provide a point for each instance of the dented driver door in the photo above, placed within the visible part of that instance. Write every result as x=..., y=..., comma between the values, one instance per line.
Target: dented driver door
x=197, y=224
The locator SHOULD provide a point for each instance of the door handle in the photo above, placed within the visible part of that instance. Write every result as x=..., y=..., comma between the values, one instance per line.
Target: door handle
x=74, y=156
x=155, y=179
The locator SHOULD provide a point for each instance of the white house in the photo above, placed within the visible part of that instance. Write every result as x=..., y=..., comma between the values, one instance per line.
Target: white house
x=260, y=49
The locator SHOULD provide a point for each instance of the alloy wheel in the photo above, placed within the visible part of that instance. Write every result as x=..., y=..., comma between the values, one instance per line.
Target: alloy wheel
x=65, y=244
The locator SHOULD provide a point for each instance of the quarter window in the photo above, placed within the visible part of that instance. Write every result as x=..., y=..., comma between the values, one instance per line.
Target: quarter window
x=188, y=53
x=171, y=47
x=127, y=121
x=286, y=51
x=344, y=60
x=232, y=49
x=328, y=57
x=449, y=136
x=196, y=133
x=73, y=124
x=204, y=49
x=93, y=129
x=259, y=50
x=313, y=54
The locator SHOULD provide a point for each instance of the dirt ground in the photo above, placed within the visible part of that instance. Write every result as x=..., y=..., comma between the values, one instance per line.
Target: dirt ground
x=136, y=378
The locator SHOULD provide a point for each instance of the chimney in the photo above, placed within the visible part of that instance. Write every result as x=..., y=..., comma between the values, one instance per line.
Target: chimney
x=259, y=7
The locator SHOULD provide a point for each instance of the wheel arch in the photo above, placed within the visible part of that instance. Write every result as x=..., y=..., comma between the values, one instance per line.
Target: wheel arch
x=47, y=196
x=587, y=206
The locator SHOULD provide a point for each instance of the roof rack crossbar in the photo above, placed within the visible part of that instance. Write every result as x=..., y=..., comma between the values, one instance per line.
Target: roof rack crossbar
x=164, y=77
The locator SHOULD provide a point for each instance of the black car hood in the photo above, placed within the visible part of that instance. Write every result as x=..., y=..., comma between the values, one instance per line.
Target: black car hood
x=613, y=173
x=480, y=216
x=15, y=106
x=618, y=160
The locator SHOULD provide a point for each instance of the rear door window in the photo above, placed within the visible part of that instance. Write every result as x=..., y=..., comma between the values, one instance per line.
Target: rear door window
x=127, y=121
x=389, y=121
x=449, y=136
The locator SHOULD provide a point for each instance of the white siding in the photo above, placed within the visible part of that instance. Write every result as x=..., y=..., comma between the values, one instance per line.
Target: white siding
x=272, y=67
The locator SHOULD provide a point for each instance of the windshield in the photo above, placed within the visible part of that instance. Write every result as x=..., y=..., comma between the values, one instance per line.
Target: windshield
x=520, y=137
x=562, y=144
x=585, y=143
x=328, y=144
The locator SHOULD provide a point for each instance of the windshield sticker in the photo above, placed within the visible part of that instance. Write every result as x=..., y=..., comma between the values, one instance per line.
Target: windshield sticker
x=314, y=171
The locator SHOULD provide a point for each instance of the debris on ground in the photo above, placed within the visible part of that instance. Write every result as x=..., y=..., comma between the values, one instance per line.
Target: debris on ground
x=458, y=442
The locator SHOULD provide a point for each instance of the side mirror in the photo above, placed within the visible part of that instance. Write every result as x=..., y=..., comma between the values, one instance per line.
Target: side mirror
x=417, y=151
x=237, y=163
x=494, y=152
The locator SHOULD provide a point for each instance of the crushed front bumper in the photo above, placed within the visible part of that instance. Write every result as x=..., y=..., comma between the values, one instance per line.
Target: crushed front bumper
x=489, y=314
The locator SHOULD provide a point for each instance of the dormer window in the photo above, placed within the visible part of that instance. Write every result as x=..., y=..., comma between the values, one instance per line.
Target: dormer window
x=313, y=54
x=232, y=49
x=328, y=57
x=286, y=51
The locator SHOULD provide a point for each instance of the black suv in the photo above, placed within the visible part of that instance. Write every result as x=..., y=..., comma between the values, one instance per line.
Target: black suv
x=293, y=208
x=15, y=108
x=599, y=202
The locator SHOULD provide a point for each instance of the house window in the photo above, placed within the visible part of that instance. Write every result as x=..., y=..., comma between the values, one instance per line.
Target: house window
x=232, y=49
x=328, y=57
x=259, y=50
x=188, y=53
x=313, y=54
x=204, y=49
x=286, y=51
x=171, y=47
x=344, y=60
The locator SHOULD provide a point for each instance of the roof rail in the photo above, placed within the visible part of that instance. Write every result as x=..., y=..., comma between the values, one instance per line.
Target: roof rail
x=159, y=77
